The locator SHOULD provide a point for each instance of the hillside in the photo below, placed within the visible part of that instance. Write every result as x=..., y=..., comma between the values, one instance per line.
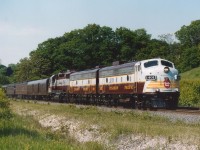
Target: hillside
x=98, y=128
x=192, y=74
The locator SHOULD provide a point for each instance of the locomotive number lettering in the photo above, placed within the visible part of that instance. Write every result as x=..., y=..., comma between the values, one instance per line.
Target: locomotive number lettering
x=128, y=87
x=113, y=88
x=85, y=89
x=150, y=77
x=76, y=89
x=101, y=88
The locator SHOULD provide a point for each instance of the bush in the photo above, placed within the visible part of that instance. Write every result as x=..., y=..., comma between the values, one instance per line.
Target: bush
x=190, y=92
x=5, y=112
x=2, y=94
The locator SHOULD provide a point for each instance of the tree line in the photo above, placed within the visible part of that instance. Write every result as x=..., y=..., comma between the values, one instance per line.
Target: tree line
x=96, y=45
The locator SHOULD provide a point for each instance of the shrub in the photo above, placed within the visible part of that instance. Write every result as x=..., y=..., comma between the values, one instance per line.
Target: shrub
x=190, y=92
x=5, y=112
x=2, y=94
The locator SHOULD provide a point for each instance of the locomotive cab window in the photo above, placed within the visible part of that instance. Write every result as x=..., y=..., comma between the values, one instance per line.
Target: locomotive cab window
x=166, y=63
x=151, y=63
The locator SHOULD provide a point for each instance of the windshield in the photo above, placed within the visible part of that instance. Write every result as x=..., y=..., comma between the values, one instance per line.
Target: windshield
x=166, y=63
x=151, y=63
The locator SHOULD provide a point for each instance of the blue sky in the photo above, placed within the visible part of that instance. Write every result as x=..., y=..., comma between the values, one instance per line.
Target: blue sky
x=26, y=23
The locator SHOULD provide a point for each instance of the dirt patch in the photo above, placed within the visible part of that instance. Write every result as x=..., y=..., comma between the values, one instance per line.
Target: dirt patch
x=140, y=142
x=77, y=129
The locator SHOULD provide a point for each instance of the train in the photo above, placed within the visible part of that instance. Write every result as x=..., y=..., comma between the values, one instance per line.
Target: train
x=150, y=83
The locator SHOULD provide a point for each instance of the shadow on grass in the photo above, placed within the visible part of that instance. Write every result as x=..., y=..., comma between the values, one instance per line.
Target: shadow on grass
x=9, y=131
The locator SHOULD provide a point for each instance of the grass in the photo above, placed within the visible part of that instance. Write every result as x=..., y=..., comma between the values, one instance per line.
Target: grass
x=117, y=123
x=191, y=74
x=25, y=133
x=189, y=88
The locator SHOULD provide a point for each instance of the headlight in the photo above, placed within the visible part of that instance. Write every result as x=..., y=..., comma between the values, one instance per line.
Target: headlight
x=166, y=69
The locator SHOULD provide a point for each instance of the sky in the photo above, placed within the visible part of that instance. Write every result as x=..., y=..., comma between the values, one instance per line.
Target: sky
x=26, y=23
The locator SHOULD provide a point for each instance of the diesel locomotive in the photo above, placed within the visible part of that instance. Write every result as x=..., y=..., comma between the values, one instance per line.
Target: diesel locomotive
x=148, y=83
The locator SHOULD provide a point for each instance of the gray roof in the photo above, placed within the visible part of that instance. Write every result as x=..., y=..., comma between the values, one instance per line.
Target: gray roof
x=122, y=69
x=42, y=81
x=86, y=74
x=131, y=64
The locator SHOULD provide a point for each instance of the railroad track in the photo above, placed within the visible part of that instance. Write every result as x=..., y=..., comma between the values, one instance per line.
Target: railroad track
x=188, y=111
x=179, y=110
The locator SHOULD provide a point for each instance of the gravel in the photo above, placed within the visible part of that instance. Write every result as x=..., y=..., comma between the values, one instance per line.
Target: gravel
x=174, y=116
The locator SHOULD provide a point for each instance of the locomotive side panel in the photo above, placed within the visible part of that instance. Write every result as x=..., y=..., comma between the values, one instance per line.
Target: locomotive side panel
x=43, y=87
x=10, y=90
x=116, y=84
x=59, y=83
x=38, y=87
x=118, y=79
x=21, y=89
x=84, y=82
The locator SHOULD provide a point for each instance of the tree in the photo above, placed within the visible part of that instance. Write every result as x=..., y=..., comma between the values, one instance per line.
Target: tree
x=190, y=58
x=41, y=65
x=189, y=36
x=169, y=38
x=3, y=69
x=23, y=70
x=126, y=43
x=4, y=80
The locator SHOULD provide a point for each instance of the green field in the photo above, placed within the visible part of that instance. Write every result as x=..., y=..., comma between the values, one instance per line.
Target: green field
x=191, y=74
